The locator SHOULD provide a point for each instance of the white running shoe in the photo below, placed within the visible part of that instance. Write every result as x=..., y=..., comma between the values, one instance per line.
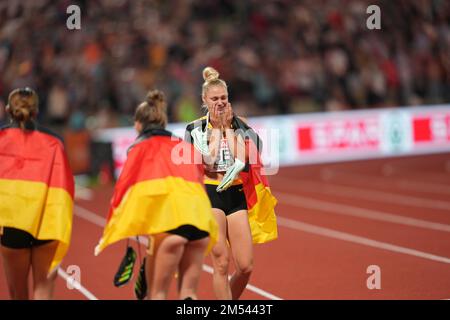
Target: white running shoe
x=231, y=174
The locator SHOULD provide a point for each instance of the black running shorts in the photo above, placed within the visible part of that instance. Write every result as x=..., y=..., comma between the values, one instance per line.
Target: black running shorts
x=189, y=232
x=229, y=201
x=19, y=239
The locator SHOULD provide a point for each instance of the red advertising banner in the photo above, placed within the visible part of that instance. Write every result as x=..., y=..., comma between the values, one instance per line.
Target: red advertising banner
x=339, y=135
x=431, y=129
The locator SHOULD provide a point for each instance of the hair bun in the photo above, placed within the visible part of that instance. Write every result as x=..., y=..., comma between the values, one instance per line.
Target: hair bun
x=210, y=74
x=154, y=97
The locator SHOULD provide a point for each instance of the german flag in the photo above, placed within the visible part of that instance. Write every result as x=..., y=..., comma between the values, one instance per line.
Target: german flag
x=260, y=201
x=154, y=194
x=36, y=187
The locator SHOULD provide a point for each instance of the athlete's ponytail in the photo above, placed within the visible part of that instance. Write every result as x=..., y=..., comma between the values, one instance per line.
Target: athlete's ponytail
x=23, y=106
x=152, y=110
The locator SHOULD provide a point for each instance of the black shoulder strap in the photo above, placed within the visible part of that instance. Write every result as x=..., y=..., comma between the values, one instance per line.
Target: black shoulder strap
x=32, y=125
x=6, y=126
x=148, y=133
x=49, y=132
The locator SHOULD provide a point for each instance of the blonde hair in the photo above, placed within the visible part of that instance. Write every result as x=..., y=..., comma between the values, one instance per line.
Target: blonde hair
x=152, y=110
x=211, y=77
x=23, y=105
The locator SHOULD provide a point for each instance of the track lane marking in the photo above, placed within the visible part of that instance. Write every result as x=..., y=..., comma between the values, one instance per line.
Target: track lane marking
x=328, y=174
x=331, y=233
x=366, y=194
x=76, y=285
x=100, y=221
x=335, y=208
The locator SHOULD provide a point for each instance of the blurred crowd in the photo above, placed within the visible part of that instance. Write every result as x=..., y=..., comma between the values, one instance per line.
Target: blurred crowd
x=277, y=57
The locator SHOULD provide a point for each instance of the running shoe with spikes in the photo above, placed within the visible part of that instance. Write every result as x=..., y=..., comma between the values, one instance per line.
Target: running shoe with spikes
x=140, y=287
x=125, y=272
x=231, y=174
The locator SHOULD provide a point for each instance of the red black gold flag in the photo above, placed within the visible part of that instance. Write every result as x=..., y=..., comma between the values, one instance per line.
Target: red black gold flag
x=155, y=194
x=260, y=201
x=36, y=187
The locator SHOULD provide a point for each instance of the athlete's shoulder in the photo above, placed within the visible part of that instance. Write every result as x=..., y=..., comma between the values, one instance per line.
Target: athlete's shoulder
x=240, y=123
x=152, y=136
x=197, y=122
x=243, y=119
x=201, y=119
x=33, y=126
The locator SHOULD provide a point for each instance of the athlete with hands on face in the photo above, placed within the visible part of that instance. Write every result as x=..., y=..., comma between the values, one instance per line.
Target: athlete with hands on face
x=217, y=137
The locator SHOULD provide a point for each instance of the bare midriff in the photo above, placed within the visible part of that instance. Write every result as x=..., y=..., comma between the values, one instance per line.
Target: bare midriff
x=213, y=175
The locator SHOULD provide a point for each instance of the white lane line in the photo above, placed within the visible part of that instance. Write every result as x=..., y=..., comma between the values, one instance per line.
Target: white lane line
x=330, y=233
x=83, y=193
x=100, y=221
x=421, y=177
x=89, y=216
x=250, y=287
x=76, y=285
x=392, y=168
x=423, y=187
x=400, y=183
x=366, y=193
x=334, y=208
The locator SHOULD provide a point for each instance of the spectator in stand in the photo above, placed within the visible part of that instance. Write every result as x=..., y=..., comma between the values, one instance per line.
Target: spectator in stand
x=278, y=56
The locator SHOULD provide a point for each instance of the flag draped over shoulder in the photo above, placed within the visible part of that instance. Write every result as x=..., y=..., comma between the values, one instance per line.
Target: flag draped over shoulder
x=260, y=201
x=36, y=187
x=154, y=194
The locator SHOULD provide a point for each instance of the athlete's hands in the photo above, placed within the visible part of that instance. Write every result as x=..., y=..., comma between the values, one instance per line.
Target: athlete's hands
x=215, y=117
x=227, y=116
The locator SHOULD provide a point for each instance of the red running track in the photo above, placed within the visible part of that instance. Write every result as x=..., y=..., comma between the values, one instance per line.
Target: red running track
x=335, y=221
